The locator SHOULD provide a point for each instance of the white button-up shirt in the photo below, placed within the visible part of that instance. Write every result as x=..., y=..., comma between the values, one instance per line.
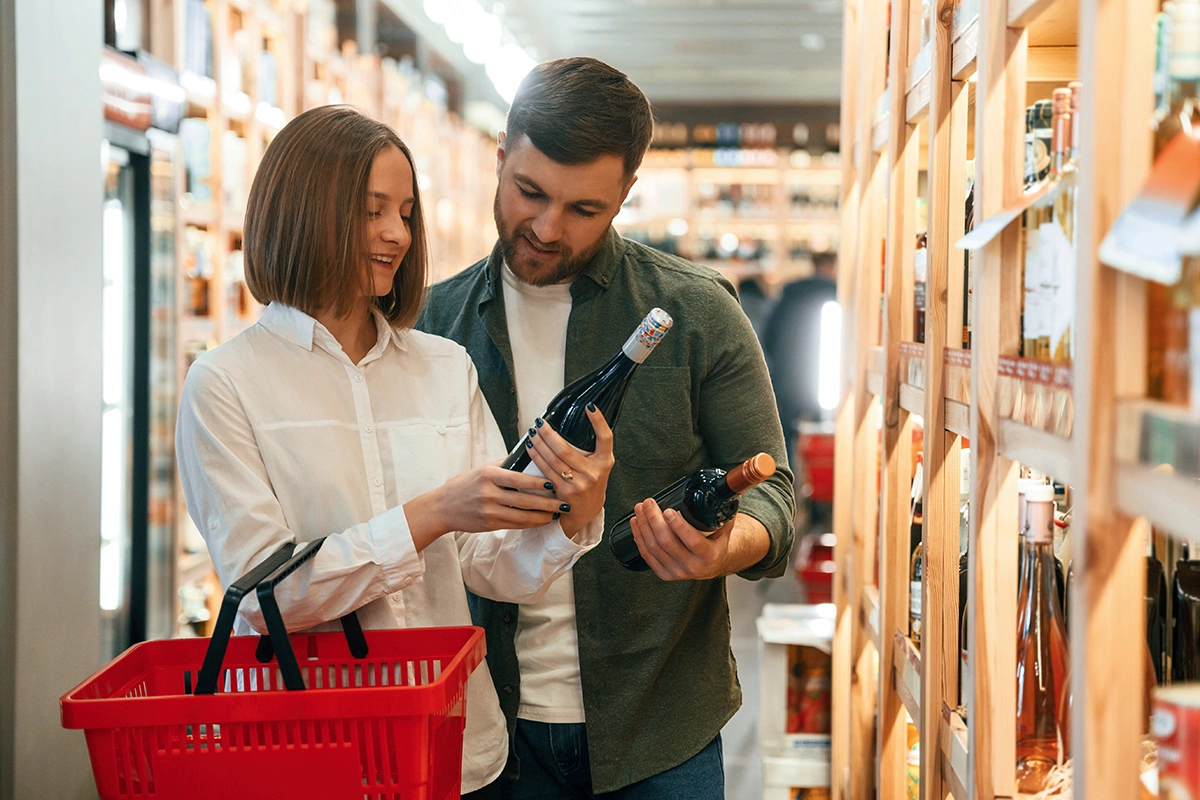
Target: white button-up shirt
x=281, y=438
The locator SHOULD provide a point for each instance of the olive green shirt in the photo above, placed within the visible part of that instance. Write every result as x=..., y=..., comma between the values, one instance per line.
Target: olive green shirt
x=658, y=675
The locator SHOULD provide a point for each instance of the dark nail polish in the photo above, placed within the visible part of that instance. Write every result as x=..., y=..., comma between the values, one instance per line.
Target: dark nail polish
x=533, y=431
x=539, y=422
x=556, y=515
x=565, y=508
x=591, y=406
x=549, y=486
x=529, y=442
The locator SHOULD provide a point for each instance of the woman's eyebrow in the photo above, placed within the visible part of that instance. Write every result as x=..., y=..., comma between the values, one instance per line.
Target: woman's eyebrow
x=380, y=195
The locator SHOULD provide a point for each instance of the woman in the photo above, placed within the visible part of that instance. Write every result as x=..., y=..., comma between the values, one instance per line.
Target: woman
x=331, y=417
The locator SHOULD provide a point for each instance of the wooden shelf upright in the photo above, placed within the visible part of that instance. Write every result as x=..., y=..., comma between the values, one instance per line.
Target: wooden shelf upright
x=912, y=125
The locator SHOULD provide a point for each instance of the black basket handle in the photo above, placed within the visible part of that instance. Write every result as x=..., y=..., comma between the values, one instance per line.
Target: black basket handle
x=264, y=578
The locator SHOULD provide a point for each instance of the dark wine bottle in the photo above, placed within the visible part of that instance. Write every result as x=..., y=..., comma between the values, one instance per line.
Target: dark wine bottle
x=1156, y=610
x=707, y=499
x=605, y=387
x=1185, y=663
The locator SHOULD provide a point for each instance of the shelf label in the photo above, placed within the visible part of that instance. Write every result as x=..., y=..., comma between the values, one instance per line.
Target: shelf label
x=1157, y=229
x=990, y=228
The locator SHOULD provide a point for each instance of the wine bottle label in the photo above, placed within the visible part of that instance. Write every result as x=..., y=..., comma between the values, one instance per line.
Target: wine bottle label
x=648, y=334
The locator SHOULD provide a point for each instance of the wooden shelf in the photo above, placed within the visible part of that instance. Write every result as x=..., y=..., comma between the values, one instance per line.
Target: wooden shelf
x=958, y=418
x=916, y=102
x=954, y=748
x=912, y=399
x=200, y=215
x=1169, y=501
x=1049, y=22
x=193, y=567
x=196, y=329
x=964, y=51
x=1043, y=451
x=907, y=674
x=875, y=364
x=870, y=612
x=881, y=127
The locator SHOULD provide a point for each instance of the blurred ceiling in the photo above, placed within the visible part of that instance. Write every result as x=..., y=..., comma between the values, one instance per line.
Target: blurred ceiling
x=695, y=51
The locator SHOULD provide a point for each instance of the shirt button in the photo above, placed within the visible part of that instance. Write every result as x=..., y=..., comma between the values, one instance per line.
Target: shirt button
x=358, y=377
x=508, y=689
x=379, y=481
x=508, y=619
x=440, y=429
x=368, y=428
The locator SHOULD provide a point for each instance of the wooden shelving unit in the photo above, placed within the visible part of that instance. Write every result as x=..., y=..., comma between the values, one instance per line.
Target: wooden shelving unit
x=987, y=61
x=676, y=188
x=240, y=107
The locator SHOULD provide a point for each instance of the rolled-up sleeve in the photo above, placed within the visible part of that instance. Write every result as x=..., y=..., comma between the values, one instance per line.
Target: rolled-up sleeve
x=231, y=501
x=514, y=566
x=737, y=386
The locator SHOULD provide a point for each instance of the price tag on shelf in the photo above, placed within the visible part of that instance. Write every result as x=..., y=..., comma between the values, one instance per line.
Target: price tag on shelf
x=1153, y=233
x=991, y=227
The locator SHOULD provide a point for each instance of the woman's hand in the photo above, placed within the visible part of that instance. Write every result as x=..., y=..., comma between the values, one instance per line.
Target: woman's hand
x=580, y=479
x=481, y=500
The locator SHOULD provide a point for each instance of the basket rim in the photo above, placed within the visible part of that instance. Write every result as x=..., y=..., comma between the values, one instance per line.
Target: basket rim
x=275, y=705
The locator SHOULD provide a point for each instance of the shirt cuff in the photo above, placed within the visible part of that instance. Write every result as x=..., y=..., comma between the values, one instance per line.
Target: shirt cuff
x=394, y=549
x=561, y=549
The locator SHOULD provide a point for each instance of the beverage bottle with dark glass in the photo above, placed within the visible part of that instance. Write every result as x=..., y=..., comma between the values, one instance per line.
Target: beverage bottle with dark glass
x=1185, y=663
x=605, y=387
x=1156, y=609
x=1043, y=655
x=707, y=499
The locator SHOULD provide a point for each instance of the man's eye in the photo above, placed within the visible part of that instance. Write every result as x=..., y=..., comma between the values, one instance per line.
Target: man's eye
x=585, y=213
x=529, y=194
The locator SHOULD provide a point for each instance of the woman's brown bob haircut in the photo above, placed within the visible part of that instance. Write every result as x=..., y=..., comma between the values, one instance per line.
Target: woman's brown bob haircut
x=306, y=218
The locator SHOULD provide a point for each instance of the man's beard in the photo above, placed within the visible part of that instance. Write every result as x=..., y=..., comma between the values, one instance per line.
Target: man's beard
x=570, y=264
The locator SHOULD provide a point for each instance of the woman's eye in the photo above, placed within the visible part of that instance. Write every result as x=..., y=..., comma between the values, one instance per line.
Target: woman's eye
x=374, y=214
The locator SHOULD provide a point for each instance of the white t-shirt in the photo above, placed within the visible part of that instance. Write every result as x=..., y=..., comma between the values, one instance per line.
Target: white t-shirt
x=282, y=439
x=547, y=642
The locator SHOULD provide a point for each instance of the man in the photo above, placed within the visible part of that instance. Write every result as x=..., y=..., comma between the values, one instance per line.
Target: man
x=791, y=341
x=618, y=680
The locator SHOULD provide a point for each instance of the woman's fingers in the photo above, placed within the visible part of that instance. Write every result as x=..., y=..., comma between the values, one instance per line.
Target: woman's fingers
x=604, y=434
x=508, y=479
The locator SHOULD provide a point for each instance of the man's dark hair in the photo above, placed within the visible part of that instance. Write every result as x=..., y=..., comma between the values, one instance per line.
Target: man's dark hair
x=577, y=109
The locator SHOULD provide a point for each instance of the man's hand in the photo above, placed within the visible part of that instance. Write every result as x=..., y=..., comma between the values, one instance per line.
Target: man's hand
x=676, y=551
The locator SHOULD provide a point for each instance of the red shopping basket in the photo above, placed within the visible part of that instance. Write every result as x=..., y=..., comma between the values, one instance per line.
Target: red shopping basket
x=387, y=723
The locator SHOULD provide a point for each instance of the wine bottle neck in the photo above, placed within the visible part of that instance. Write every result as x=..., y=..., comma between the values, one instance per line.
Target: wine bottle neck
x=749, y=474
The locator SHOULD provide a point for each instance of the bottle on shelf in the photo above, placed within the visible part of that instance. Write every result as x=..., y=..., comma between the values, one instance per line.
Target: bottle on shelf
x=1058, y=232
x=707, y=499
x=969, y=225
x=1169, y=320
x=920, y=274
x=916, y=567
x=1156, y=608
x=1185, y=660
x=1043, y=658
x=605, y=387
x=964, y=510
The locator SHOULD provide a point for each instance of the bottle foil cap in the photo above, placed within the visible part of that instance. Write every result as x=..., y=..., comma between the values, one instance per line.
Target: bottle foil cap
x=648, y=334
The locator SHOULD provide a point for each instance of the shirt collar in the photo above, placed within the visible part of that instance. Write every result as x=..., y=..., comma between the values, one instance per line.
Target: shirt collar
x=293, y=325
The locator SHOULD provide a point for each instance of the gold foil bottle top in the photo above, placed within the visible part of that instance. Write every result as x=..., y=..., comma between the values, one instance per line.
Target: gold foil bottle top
x=751, y=473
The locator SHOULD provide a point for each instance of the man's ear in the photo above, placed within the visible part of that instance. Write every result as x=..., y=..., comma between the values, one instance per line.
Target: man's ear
x=501, y=140
x=625, y=193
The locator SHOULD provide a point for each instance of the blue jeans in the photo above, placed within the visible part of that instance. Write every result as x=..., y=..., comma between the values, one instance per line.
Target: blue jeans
x=555, y=764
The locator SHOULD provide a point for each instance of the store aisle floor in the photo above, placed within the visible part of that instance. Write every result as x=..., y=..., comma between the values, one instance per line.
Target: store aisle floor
x=743, y=773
